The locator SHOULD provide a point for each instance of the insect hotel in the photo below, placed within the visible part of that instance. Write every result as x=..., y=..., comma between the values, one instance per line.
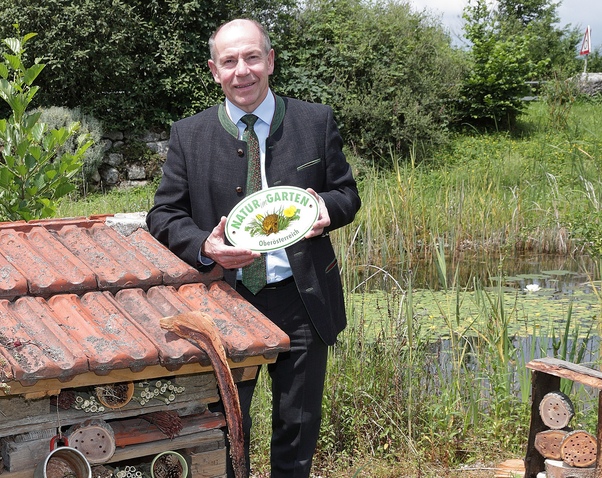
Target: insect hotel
x=112, y=351
x=554, y=449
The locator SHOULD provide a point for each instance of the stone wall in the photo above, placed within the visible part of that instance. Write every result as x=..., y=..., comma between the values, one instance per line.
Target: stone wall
x=130, y=160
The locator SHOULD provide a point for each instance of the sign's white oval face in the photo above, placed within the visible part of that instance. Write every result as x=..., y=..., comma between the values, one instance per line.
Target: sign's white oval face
x=272, y=218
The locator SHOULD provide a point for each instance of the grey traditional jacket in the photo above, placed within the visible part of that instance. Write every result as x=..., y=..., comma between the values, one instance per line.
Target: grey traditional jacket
x=205, y=174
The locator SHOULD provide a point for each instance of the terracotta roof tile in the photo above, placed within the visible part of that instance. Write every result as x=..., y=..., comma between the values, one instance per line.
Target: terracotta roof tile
x=78, y=297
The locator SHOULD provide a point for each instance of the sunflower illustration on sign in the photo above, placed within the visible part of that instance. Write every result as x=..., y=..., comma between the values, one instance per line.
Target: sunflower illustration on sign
x=272, y=222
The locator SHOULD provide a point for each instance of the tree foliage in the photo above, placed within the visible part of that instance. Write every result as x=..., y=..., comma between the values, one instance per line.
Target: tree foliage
x=394, y=79
x=129, y=63
x=389, y=72
x=549, y=43
x=501, y=66
x=35, y=170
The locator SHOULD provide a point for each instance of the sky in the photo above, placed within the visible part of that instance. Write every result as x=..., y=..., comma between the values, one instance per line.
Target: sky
x=576, y=12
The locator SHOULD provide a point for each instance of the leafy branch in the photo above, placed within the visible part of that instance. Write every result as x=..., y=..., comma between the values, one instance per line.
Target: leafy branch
x=34, y=169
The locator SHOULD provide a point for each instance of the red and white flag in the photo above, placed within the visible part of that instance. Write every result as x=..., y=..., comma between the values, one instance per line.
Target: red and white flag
x=587, y=42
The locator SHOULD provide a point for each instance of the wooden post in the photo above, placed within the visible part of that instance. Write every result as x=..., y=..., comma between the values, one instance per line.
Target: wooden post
x=541, y=384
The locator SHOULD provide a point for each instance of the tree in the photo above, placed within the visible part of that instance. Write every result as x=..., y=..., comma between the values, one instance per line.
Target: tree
x=492, y=92
x=34, y=171
x=549, y=43
x=390, y=73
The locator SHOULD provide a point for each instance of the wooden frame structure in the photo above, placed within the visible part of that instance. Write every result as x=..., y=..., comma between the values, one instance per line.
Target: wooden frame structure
x=547, y=373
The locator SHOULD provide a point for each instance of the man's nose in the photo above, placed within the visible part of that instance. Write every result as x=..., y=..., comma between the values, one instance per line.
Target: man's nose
x=242, y=68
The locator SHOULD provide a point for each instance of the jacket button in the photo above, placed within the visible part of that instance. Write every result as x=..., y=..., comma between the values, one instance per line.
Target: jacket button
x=240, y=152
x=238, y=189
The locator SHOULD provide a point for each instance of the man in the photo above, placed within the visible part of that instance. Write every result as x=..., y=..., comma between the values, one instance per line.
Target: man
x=205, y=176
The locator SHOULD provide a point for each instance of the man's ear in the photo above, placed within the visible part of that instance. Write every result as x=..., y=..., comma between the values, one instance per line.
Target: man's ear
x=214, y=70
x=271, y=56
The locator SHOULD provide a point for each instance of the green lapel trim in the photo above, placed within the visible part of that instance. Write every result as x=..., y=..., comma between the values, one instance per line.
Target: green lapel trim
x=278, y=114
x=231, y=128
x=226, y=122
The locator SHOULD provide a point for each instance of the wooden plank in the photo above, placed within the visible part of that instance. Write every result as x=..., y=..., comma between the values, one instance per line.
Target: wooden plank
x=138, y=430
x=563, y=369
x=209, y=437
x=72, y=416
x=19, y=407
x=52, y=386
x=20, y=456
x=19, y=474
x=209, y=464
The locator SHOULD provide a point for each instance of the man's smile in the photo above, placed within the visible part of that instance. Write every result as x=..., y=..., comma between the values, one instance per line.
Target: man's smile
x=246, y=85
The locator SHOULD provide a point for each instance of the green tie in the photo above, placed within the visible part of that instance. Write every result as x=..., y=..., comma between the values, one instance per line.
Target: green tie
x=253, y=276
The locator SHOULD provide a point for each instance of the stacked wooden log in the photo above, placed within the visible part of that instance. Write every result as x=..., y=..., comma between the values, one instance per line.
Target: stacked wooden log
x=566, y=450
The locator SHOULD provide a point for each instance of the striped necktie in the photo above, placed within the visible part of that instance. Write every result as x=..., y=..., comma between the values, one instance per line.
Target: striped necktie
x=254, y=275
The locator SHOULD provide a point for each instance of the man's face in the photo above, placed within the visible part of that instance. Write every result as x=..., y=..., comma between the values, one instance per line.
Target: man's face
x=241, y=65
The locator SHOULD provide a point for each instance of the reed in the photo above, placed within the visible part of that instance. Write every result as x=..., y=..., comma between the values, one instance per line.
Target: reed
x=423, y=400
x=486, y=192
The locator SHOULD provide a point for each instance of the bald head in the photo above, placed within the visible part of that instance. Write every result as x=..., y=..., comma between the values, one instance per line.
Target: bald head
x=239, y=22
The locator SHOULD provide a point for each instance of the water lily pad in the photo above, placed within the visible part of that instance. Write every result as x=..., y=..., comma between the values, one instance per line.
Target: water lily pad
x=532, y=276
x=441, y=313
x=559, y=273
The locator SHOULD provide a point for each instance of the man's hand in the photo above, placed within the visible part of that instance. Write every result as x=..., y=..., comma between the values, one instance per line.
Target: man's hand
x=323, y=220
x=216, y=249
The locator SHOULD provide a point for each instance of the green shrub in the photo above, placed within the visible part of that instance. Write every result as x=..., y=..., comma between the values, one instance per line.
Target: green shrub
x=492, y=92
x=58, y=117
x=132, y=64
x=35, y=169
x=389, y=73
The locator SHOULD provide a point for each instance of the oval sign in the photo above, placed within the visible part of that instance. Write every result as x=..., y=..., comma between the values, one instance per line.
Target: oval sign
x=272, y=218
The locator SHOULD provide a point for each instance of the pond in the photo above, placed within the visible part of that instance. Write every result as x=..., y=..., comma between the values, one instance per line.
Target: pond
x=470, y=342
x=547, y=270
x=541, y=295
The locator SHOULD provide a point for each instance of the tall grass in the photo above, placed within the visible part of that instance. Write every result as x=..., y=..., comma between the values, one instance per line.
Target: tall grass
x=413, y=401
x=494, y=191
x=112, y=202
x=421, y=400
x=403, y=399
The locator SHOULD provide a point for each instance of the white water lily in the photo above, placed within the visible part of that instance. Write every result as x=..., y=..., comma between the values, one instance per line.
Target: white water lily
x=532, y=287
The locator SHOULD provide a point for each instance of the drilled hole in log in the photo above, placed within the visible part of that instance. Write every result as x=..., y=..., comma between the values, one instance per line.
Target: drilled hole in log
x=579, y=449
x=556, y=410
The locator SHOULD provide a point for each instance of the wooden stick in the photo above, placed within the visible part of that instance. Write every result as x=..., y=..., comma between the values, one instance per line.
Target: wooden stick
x=200, y=329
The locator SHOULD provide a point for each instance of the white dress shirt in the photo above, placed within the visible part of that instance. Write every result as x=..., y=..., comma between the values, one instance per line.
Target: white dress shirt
x=277, y=265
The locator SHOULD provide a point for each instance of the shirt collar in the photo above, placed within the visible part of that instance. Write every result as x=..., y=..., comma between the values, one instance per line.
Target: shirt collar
x=265, y=111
